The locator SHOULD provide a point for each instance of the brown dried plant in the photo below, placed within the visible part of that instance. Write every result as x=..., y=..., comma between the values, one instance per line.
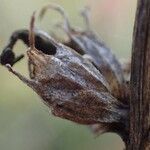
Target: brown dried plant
x=79, y=79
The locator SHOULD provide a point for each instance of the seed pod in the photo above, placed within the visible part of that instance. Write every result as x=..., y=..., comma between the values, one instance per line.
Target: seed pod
x=88, y=44
x=72, y=87
x=92, y=48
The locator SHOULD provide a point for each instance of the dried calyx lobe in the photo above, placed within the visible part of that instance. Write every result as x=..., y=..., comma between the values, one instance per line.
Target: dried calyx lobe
x=41, y=42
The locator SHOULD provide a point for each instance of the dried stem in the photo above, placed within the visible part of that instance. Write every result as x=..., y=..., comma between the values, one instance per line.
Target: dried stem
x=140, y=80
x=31, y=34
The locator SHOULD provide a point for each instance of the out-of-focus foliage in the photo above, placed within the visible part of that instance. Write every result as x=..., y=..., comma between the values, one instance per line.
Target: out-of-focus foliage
x=25, y=122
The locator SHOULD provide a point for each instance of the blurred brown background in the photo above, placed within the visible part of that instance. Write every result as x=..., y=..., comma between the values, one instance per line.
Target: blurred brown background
x=25, y=122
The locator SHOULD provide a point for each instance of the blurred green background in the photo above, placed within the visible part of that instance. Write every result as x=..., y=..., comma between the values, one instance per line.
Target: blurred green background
x=25, y=122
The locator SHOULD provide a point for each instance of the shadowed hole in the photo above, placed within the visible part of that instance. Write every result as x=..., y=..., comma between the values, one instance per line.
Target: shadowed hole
x=45, y=46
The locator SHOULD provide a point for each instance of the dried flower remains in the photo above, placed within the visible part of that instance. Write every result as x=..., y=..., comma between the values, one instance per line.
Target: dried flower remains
x=79, y=79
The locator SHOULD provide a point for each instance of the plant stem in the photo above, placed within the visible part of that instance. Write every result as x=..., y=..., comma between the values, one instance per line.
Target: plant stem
x=139, y=138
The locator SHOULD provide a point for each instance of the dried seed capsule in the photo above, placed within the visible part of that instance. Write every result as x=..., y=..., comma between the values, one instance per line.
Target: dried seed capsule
x=72, y=87
x=68, y=82
x=47, y=46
